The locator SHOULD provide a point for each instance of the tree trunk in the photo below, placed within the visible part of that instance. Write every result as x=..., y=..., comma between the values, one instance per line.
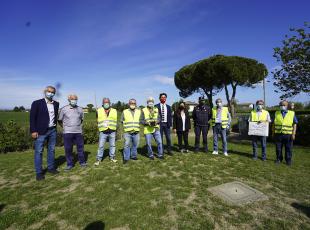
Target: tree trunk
x=209, y=96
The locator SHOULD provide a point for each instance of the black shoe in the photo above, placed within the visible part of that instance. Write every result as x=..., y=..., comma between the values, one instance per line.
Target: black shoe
x=277, y=162
x=206, y=150
x=134, y=158
x=289, y=163
x=196, y=150
x=125, y=162
x=53, y=171
x=40, y=177
x=161, y=158
x=151, y=158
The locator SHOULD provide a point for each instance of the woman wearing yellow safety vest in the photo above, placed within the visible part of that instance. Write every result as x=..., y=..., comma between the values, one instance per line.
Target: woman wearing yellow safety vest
x=285, y=124
x=259, y=115
x=220, y=123
x=107, y=124
x=131, y=124
x=151, y=119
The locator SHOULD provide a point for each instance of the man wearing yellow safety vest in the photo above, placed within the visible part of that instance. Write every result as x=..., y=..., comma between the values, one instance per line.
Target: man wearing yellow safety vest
x=285, y=124
x=151, y=119
x=258, y=114
x=107, y=124
x=220, y=123
x=131, y=124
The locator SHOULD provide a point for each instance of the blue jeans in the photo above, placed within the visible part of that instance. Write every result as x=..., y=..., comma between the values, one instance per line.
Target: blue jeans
x=50, y=136
x=217, y=129
x=131, y=145
x=157, y=137
x=263, y=143
x=102, y=140
x=164, y=129
x=286, y=141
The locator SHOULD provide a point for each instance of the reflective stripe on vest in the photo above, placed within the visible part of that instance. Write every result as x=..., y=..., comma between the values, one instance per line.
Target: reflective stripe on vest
x=107, y=122
x=148, y=117
x=284, y=125
x=224, y=116
x=262, y=117
x=131, y=123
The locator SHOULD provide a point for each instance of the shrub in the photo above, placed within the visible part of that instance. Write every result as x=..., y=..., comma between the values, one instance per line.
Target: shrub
x=14, y=137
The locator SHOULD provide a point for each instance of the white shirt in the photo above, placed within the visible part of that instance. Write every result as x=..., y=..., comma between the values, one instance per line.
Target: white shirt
x=51, y=112
x=163, y=119
x=183, y=119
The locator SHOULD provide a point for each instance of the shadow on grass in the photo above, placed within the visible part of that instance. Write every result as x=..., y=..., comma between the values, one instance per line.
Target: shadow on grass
x=2, y=207
x=303, y=208
x=97, y=225
x=244, y=154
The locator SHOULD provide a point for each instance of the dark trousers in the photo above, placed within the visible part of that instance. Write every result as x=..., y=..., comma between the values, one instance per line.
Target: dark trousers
x=198, y=131
x=69, y=140
x=286, y=141
x=182, y=135
x=164, y=129
x=263, y=144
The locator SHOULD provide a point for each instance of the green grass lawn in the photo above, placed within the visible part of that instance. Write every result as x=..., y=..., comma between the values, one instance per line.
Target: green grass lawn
x=169, y=194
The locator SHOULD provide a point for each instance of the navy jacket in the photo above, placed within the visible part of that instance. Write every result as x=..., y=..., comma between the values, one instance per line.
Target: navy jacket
x=169, y=114
x=39, y=117
x=201, y=115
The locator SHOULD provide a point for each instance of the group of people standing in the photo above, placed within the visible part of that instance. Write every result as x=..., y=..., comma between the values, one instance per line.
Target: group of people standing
x=156, y=119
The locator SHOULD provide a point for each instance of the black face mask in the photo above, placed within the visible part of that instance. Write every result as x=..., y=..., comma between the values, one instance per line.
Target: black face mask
x=181, y=107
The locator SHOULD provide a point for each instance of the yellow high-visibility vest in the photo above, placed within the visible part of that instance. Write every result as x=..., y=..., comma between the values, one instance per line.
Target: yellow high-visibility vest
x=262, y=117
x=224, y=116
x=107, y=122
x=150, y=117
x=284, y=125
x=131, y=123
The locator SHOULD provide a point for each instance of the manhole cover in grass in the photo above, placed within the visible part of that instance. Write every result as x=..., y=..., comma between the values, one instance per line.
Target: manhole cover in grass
x=237, y=193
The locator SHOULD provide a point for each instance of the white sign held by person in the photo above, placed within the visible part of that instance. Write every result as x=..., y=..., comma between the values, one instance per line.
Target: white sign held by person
x=258, y=129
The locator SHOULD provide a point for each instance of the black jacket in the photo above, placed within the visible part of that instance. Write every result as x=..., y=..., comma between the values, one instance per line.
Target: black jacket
x=39, y=117
x=178, y=123
x=201, y=115
x=169, y=114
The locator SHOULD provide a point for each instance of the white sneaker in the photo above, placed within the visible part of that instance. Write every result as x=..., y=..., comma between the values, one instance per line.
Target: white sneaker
x=215, y=152
x=113, y=160
x=97, y=163
x=225, y=154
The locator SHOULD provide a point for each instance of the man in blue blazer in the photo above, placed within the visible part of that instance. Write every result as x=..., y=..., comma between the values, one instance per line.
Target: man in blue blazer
x=43, y=120
x=165, y=113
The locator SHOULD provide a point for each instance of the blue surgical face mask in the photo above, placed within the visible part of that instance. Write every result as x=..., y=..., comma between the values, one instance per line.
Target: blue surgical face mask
x=106, y=105
x=73, y=102
x=49, y=95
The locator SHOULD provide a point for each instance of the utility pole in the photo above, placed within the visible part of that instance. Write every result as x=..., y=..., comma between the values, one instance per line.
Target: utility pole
x=264, y=89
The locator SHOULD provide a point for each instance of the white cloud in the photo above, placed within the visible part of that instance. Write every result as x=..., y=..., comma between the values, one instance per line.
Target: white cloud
x=164, y=79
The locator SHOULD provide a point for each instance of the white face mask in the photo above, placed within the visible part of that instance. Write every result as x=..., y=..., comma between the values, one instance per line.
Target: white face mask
x=132, y=107
x=283, y=107
x=219, y=104
x=260, y=107
x=150, y=104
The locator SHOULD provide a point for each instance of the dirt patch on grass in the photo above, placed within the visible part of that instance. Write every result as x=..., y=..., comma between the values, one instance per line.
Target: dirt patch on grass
x=154, y=174
x=121, y=228
x=192, y=196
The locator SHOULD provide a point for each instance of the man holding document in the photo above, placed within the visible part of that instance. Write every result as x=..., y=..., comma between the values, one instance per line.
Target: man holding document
x=258, y=128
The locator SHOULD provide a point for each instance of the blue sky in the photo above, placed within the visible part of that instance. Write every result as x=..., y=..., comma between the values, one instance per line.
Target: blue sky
x=131, y=49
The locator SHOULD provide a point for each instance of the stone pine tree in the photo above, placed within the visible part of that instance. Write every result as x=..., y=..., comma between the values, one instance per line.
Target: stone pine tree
x=219, y=72
x=293, y=76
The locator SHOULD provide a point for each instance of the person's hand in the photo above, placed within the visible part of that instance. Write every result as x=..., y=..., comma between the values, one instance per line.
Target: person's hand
x=34, y=135
x=293, y=137
x=174, y=130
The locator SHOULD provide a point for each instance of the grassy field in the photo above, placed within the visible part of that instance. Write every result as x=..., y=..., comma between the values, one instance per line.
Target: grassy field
x=144, y=194
x=23, y=117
